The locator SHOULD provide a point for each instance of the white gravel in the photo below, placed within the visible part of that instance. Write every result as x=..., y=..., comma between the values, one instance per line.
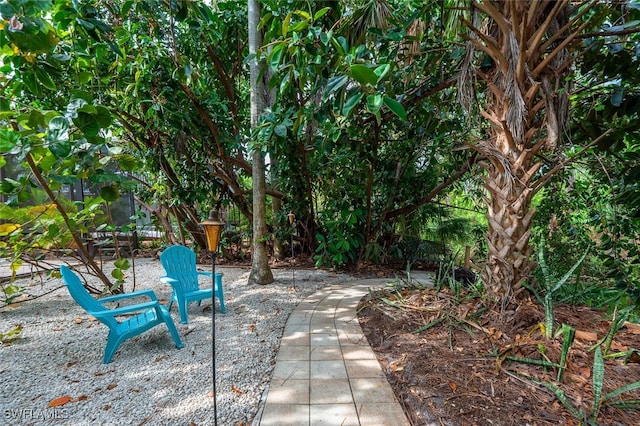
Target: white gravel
x=149, y=381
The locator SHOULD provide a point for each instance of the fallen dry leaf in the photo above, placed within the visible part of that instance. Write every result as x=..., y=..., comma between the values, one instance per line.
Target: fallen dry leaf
x=586, y=335
x=78, y=320
x=236, y=390
x=70, y=364
x=632, y=328
x=575, y=378
x=584, y=371
x=619, y=347
x=453, y=386
x=57, y=402
x=112, y=386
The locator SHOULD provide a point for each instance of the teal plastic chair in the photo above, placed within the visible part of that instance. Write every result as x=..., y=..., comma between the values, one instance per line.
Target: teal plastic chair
x=179, y=263
x=140, y=317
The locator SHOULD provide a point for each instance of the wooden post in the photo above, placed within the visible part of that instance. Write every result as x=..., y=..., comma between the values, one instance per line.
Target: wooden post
x=467, y=256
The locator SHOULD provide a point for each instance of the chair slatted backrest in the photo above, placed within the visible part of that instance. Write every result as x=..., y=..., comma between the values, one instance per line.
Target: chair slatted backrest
x=179, y=263
x=84, y=299
x=78, y=292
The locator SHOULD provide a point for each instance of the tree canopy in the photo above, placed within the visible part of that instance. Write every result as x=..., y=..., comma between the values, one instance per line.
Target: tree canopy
x=366, y=138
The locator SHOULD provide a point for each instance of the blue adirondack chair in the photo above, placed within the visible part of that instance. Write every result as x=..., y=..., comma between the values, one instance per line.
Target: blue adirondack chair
x=139, y=317
x=179, y=263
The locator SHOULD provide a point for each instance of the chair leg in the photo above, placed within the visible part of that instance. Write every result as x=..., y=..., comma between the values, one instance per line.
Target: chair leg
x=219, y=295
x=223, y=310
x=113, y=341
x=184, y=315
x=166, y=316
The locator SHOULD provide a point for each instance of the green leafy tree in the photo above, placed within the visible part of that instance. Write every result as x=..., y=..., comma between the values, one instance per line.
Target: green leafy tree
x=56, y=133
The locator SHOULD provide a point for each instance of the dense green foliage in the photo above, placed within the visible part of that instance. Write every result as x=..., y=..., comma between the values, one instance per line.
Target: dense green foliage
x=364, y=137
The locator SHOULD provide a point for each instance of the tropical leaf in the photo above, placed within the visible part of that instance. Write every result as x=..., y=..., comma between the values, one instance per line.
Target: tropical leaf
x=598, y=381
x=374, y=103
x=8, y=140
x=396, y=107
x=363, y=74
x=350, y=103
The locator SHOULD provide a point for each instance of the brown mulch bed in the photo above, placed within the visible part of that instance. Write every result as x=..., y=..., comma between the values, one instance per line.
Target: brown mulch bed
x=456, y=372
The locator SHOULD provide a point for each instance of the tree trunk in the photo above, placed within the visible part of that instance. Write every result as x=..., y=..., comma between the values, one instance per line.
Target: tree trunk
x=509, y=217
x=526, y=80
x=77, y=238
x=260, y=271
x=278, y=251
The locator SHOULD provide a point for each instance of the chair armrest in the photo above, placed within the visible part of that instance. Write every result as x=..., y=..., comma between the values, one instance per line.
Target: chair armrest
x=124, y=309
x=141, y=293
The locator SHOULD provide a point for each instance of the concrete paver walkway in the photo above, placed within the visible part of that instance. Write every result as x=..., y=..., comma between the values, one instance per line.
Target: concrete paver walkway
x=326, y=372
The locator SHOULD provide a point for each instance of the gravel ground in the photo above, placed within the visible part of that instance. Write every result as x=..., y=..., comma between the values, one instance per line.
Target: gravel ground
x=149, y=381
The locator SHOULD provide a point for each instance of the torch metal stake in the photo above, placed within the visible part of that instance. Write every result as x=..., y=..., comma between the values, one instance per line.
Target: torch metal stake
x=292, y=221
x=293, y=269
x=213, y=335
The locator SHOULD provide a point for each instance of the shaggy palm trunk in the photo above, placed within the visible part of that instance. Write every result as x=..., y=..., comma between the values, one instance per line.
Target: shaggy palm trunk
x=509, y=216
x=526, y=58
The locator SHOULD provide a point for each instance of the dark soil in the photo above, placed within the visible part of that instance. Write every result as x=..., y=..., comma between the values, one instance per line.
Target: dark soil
x=456, y=372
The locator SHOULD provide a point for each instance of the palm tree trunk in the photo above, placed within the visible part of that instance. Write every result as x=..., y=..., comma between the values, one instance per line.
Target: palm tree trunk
x=527, y=88
x=509, y=217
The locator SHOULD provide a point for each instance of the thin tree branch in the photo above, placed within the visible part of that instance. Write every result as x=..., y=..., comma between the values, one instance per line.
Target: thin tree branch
x=544, y=179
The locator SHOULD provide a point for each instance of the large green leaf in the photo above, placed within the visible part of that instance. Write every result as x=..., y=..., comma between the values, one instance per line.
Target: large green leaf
x=110, y=192
x=350, y=103
x=276, y=55
x=127, y=162
x=58, y=129
x=319, y=14
x=382, y=70
x=374, y=103
x=45, y=79
x=396, y=107
x=8, y=140
x=105, y=177
x=60, y=149
x=333, y=84
x=363, y=74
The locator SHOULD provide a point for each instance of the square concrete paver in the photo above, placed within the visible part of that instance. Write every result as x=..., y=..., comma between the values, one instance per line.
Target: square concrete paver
x=293, y=353
x=333, y=415
x=371, y=390
x=378, y=414
x=296, y=338
x=363, y=368
x=288, y=370
x=327, y=370
x=330, y=391
x=285, y=415
x=353, y=352
x=326, y=353
x=288, y=392
x=325, y=339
